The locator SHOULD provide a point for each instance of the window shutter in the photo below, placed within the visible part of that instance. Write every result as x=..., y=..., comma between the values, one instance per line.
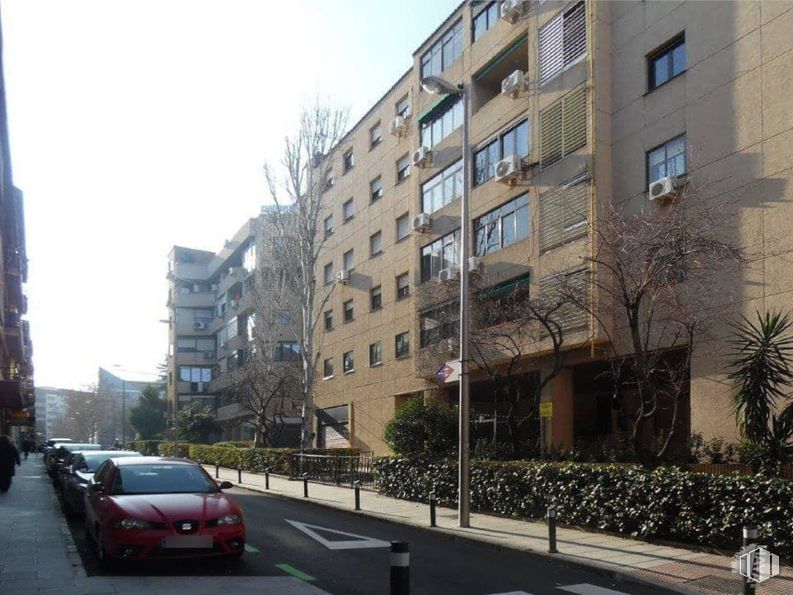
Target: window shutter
x=575, y=211
x=574, y=33
x=551, y=49
x=551, y=134
x=563, y=215
x=569, y=316
x=574, y=120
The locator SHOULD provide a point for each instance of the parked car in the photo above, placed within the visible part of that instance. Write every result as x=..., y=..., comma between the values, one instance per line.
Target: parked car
x=79, y=471
x=55, y=458
x=141, y=508
x=51, y=446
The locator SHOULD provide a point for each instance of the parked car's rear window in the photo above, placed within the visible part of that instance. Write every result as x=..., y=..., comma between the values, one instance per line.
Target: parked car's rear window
x=162, y=479
x=93, y=461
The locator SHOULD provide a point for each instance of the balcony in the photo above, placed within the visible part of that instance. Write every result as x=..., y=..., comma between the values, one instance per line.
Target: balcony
x=194, y=328
x=190, y=271
x=202, y=299
x=195, y=358
x=237, y=275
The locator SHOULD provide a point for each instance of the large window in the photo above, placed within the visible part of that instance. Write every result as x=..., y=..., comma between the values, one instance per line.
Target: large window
x=563, y=127
x=503, y=226
x=195, y=344
x=443, y=52
x=440, y=254
x=564, y=212
x=376, y=353
x=562, y=42
x=486, y=18
x=439, y=323
x=558, y=287
x=667, y=62
x=442, y=123
x=286, y=351
x=514, y=141
x=443, y=188
x=195, y=374
x=667, y=160
x=190, y=316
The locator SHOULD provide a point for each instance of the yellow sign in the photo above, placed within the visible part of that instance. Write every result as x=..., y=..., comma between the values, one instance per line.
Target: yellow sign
x=546, y=409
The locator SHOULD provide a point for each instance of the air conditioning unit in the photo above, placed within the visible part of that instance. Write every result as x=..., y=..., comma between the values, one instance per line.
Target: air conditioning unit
x=422, y=222
x=512, y=10
x=474, y=263
x=199, y=326
x=343, y=276
x=450, y=274
x=509, y=170
x=514, y=84
x=422, y=157
x=663, y=188
x=397, y=126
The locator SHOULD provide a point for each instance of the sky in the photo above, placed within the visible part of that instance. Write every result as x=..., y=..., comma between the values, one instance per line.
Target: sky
x=139, y=124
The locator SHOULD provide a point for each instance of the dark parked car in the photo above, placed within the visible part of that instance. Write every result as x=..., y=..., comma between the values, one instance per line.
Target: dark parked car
x=139, y=508
x=56, y=457
x=80, y=470
x=51, y=446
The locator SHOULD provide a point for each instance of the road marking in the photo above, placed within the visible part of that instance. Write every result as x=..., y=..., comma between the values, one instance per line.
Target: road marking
x=289, y=569
x=359, y=541
x=587, y=589
x=30, y=476
x=249, y=548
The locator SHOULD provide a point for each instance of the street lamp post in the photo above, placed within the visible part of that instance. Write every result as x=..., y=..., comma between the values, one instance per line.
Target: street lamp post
x=123, y=412
x=439, y=86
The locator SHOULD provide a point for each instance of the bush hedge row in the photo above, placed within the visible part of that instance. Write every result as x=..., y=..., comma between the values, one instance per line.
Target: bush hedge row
x=145, y=447
x=667, y=503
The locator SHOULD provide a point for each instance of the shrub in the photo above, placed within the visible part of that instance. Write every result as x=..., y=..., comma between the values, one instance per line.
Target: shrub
x=174, y=449
x=423, y=430
x=236, y=443
x=666, y=503
x=145, y=447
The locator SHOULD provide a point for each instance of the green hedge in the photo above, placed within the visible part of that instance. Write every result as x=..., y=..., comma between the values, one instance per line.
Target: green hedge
x=174, y=449
x=666, y=503
x=236, y=443
x=145, y=447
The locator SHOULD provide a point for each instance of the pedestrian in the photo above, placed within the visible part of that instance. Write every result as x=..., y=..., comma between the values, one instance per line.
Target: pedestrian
x=26, y=448
x=8, y=456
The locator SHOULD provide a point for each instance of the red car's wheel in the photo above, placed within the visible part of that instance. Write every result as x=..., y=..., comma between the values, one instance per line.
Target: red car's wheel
x=101, y=551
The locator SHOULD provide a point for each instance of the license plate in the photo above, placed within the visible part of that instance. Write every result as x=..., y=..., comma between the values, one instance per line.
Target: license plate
x=187, y=541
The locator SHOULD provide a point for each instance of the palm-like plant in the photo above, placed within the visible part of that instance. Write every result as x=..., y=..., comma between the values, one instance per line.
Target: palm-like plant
x=760, y=366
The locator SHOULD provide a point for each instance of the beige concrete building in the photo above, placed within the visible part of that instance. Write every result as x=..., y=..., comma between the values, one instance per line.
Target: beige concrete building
x=572, y=103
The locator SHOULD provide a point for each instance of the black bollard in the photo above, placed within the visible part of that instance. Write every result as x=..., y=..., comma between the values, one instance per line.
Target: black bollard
x=433, y=503
x=749, y=536
x=552, y=530
x=305, y=485
x=239, y=475
x=267, y=478
x=400, y=568
x=357, y=486
x=217, y=470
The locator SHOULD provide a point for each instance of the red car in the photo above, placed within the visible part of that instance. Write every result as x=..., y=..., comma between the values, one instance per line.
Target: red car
x=139, y=508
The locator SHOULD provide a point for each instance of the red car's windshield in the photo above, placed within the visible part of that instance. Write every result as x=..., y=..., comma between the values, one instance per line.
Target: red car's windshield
x=160, y=478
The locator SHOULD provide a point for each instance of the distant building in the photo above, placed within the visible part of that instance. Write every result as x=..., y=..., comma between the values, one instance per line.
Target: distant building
x=123, y=389
x=51, y=410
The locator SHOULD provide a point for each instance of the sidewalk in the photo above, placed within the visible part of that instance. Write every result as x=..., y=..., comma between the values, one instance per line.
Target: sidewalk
x=674, y=568
x=38, y=556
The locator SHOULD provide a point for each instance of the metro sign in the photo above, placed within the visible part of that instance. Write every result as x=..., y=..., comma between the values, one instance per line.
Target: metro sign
x=449, y=372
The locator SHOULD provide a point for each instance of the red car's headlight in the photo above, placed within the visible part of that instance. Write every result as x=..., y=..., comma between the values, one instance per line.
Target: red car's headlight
x=134, y=524
x=230, y=519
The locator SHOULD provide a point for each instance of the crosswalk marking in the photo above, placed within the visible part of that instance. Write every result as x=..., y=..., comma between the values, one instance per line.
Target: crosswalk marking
x=587, y=589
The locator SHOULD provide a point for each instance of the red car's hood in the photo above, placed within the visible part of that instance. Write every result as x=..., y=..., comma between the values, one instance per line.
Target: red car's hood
x=167, y=508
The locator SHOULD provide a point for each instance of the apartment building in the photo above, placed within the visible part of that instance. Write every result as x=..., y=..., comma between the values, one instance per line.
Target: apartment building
x=17, y=410
x=213, y=301
x=574, y=105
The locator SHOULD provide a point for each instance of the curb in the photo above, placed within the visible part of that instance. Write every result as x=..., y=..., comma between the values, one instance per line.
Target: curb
x=601, y=568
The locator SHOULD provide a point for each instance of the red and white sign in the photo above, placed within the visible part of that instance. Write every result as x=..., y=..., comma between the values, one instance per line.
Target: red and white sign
x=450, y=371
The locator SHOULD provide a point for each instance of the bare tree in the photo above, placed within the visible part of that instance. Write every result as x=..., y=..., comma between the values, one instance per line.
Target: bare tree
x=87, y=412
x=654, y=276
x=298, y=188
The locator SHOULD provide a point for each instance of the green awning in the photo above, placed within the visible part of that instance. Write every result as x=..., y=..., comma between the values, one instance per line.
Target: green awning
x=505, y=287
x=438, y=106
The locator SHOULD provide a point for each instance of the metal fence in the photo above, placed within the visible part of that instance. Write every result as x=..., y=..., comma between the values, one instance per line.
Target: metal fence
x=335, y=469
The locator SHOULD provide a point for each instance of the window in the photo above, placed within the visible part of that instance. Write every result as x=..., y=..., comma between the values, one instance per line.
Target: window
x=563, y=127
x=443, y=188
x=195, y=344
x=402, y=344
x=348, y=261
x=574, y=282
x=376, y=298
x=349, y=160
x=402, y=227
x=349, y=315
x=439, y=323
x=440, y=254
x=348, y=362
x=443, y=52
x=376, y=244
x=514, y=141
x=376, y=354
x=348, y=210
x=330, y=180
x=564, y=212
x=403, y=286
x=666, y=63
x=327, y=273
x=486, y=18
x=376, y=189
x=442, y=122
x=286, y=351
x=249, y=257
x=327, y=368
x=667, y=160
x=328, y=320
x=194, y=374
x=328, y=225
x=562, y=42
x=375, y=135
x=403, y=107
x=503, y=226
x=403, y=168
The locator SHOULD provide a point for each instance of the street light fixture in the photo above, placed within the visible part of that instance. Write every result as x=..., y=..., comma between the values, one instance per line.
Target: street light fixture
x=438, y=86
